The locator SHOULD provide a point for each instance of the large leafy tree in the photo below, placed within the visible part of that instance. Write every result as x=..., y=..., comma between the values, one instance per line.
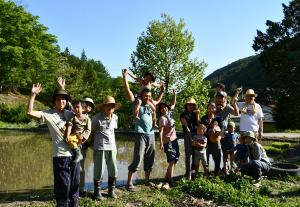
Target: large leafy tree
x=27, y=52
x=164, y=49
x=280, y=58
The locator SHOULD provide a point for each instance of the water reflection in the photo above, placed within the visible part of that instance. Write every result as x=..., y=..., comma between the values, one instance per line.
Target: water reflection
x=26, y=161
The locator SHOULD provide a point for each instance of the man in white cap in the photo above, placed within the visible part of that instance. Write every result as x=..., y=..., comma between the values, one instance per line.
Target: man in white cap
x=251, y=114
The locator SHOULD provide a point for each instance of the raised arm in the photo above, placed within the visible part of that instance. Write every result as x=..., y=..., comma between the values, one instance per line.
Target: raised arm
x=136, y=78
x=126, y=85
x=157, y=85
x=173, y=102
x=36, y=89
x=236, y=95
x=235, y=111
x=160, y=95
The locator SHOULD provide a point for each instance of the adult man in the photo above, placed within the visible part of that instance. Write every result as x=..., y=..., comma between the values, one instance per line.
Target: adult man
x=251, y=114
x=66, y=173
x=223, y=110
x=144, y=146
x=259, y=162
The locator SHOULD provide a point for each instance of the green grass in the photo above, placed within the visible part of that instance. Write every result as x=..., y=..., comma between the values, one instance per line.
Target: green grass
x=233, y=189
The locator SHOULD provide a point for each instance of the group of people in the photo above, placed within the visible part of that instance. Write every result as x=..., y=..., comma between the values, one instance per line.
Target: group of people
x=72, y=132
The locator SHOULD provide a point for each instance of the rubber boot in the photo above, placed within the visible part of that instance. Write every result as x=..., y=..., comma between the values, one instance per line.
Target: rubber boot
x=111, y=187
x=97, y=190
x=78, y=155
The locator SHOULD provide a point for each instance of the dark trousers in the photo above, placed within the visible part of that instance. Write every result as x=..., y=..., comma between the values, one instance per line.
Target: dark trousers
x=188, y=155
x=216, y=152
x=66, y=181
x=255, y=168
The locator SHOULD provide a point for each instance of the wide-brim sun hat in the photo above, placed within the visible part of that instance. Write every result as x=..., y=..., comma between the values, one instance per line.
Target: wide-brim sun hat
x=250, y=92
x=60, y=92
x=249, y=134
x=108, y=100
x=89, y=100
x=231, y=123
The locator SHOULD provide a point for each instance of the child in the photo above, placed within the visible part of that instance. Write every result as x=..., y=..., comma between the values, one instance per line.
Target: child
x=240, y=152
x=214, y=146
x=78, y=130
x=105, y=150
x=168, y=139
x=199, y=146
x=89, y=107
x=228, y=142
x=148, y=81
x=215, y=132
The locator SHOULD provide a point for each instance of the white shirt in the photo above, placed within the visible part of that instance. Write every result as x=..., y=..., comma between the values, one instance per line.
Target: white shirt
x=249, y=120
x=56, y=121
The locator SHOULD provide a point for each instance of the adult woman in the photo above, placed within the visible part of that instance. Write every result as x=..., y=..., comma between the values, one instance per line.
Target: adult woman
x=213, y=145
x=189, y=120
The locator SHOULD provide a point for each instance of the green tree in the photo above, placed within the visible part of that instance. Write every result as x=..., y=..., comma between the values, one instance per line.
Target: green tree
x=280, y=59
x=27, y=52
x=164, y=49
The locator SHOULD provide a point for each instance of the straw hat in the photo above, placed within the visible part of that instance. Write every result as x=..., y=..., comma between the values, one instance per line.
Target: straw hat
x=191, y=101
x=89, y=100
x=250, y=92
x=60, y=92
x=109, y=100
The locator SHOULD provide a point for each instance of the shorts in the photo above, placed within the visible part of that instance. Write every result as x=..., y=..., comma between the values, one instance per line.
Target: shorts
x=200, y=155
x=172, y=151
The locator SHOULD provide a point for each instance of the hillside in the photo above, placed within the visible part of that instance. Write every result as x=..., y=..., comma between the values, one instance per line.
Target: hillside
x=246, y=72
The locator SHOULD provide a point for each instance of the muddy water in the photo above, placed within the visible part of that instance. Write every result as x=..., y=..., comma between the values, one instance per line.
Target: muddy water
x=26, y=161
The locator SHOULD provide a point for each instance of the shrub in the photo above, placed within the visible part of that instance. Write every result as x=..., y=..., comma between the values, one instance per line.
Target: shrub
x=14, y=114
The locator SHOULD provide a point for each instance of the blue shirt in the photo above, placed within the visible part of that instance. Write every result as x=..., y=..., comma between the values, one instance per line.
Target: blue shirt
x=144, y=124
x=229, y=141
x=241, y=151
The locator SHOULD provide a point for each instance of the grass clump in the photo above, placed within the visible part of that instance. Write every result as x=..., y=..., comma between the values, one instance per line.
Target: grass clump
x=232, y=189
x=273, y=150
x=281, y=145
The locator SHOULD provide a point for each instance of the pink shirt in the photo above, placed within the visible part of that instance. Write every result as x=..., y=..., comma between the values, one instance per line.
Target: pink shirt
x=169, y=132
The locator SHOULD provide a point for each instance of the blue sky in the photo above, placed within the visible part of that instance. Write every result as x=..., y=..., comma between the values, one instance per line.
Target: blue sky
x=224, y=30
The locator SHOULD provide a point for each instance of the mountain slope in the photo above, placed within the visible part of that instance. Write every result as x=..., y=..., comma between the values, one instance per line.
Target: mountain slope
x=246, y=72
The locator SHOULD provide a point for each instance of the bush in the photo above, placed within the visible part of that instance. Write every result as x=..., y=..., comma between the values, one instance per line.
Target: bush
x=282, y=145
x=16, y=114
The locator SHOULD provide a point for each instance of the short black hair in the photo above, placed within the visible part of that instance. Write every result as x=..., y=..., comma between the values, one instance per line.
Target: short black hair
x=145, y=90
x=82, y=103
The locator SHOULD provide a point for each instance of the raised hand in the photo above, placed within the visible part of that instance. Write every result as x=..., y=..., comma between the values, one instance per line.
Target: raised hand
x=61, y=82
x=36, y=89
x=125, y=71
